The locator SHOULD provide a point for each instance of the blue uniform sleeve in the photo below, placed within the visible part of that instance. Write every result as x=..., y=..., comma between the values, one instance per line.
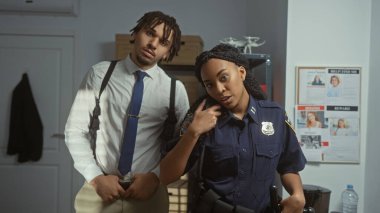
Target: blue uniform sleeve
x=292, y=158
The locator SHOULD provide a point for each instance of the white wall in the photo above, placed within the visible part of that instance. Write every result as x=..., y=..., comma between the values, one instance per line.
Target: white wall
x=372, y=171
x=332, y=33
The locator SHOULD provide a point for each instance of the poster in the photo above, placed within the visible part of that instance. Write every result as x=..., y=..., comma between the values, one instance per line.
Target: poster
x=327, y=116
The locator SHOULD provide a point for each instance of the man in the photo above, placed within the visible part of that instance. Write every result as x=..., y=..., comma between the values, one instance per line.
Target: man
x=155, y=37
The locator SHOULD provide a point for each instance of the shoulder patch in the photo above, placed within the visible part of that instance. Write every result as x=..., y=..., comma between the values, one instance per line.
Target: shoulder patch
x=288, y=122
x=186, y=122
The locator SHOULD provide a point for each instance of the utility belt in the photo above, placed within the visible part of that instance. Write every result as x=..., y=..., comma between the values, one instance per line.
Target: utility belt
x=210, y=202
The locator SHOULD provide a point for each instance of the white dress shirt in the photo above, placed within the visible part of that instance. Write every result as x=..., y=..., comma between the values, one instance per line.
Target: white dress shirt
x=114, y=103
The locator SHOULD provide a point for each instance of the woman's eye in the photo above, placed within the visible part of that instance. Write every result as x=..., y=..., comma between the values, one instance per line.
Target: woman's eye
x=208, y=86
x=223, y=78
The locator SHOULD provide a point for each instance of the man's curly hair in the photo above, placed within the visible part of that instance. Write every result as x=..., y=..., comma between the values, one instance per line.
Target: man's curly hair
x=231, y=54
x=154, y=18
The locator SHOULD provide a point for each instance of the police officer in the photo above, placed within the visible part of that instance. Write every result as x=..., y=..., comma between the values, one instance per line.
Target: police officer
x=244, y=139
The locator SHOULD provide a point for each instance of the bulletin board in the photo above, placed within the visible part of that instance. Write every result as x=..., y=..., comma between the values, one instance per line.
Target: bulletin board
x=327, y=113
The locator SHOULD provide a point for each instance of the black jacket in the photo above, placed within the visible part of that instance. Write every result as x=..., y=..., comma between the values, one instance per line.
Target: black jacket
x=25, y=131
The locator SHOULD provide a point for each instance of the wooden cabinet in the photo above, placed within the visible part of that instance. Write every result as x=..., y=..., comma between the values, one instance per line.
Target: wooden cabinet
x=123, y=45
x=186, y=75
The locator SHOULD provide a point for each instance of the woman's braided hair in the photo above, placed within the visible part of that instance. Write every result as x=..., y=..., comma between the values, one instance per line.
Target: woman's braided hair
x=228, y=53
x=154, y=18
x=231, y=54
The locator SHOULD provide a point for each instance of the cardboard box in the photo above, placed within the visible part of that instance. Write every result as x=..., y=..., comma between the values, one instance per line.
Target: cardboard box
x=178, y=187
x=178, y=196
x=123, y=45
x=191, y=47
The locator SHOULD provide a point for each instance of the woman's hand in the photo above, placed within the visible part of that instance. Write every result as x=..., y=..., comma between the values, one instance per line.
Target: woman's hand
x=204, y=119
x=293, y=204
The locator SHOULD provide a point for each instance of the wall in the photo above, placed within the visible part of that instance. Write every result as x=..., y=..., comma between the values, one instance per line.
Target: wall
x=272, y=27
x=98, y=22
x=372, y=171
x=332, y=33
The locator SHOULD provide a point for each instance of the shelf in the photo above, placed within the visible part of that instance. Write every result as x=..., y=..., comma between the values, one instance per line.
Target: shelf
x=261, y=66
x=173, y=67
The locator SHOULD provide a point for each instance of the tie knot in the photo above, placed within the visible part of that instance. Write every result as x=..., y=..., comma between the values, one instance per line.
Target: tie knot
x=140, y=75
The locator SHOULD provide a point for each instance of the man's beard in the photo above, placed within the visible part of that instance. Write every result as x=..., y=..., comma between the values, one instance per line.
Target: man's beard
x=144, y=61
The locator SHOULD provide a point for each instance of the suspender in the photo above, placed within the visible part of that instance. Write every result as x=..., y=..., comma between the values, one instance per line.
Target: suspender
x=107, y=77
x=170, y=122
x=172, y=96
x=94, y=121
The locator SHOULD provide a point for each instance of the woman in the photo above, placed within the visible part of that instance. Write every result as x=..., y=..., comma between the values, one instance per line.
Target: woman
x=340, y=128
x=317, y=81
x=334, y=89
x=244, y=140
x=313, y=120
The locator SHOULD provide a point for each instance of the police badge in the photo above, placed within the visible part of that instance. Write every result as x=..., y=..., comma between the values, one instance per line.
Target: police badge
x=267, y=128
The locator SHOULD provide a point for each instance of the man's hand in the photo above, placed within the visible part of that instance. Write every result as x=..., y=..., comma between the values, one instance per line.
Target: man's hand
x=143, y=187
x=107, y=187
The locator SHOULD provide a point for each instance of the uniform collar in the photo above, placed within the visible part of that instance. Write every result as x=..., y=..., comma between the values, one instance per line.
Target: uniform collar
x=251, y=113
x=131, y=68
x=252, y=109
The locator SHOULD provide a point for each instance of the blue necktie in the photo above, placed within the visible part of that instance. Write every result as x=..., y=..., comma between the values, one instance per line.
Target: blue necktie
x=126, y=156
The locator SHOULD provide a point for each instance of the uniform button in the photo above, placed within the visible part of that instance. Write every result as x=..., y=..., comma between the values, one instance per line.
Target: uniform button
x=244, y=150
x=242, y=172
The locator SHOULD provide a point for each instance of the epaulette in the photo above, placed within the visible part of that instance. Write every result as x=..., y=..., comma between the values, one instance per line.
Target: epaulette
x=268, y=104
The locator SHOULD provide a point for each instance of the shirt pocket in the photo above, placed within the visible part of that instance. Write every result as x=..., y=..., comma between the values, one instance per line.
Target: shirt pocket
x=266, y=160
x=219, y=163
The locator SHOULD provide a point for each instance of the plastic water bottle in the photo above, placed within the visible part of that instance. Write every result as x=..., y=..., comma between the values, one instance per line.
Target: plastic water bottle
x=350, y=200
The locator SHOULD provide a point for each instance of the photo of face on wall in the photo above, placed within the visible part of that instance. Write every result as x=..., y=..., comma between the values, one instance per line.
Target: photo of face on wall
x=334, y=89
x=317, y=80
x=344, y=127
x=311, y=141
x=310, y=119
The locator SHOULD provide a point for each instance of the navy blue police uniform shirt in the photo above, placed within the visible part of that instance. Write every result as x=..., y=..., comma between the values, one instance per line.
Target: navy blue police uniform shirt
x=242, y=156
